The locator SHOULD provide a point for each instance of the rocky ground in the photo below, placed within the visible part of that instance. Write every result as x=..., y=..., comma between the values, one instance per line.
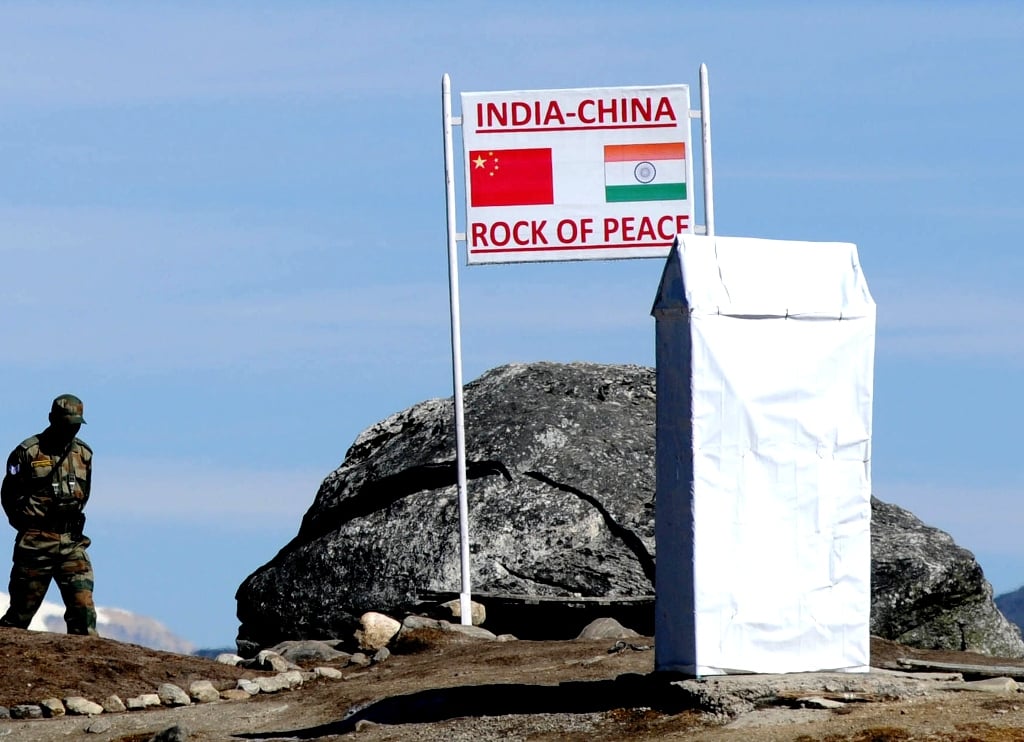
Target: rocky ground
x=592, y=691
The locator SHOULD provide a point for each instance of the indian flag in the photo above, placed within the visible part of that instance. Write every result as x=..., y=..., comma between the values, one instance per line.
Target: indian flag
x=645, y=172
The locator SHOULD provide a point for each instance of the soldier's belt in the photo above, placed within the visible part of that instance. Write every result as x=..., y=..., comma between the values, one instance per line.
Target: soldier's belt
x=55, y=525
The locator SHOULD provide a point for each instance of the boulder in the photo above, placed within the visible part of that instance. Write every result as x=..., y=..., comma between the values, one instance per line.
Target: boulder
x=928, y=592
x=452, y=610
x=606, y=628
x=375, y=630
x=307, y=651
x=560, y=470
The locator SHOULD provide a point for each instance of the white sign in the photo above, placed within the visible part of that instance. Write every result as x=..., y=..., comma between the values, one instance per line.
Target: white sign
x=590, y=173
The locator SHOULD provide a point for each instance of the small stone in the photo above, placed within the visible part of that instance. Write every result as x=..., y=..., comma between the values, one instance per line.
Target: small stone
x=293, y=678
x=453, y=609
x=113, y=705
x=171, y=695
x=470, y=632
x=382, y=654
x=268, y=660
x=5, y=713
x=328, y=672
x=606, y=628
x=991, y=685
x=52, y=707
x=507, y=638
x=135, y=703
x=277, y=663
x=202, y=691
x=227, y=658
x=307, y=650
x=82, y=706
x=411, y=623
x=98, y=726
x=26, y=711
x=177, y=733
x=375, y=631
x=359, y=660
x=249, y=686
x=150, y=700
x=272, y=684
x=236, y=694
x=818, y=702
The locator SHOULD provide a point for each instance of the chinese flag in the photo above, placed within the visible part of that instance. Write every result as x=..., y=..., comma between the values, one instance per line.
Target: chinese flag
x=510, y=177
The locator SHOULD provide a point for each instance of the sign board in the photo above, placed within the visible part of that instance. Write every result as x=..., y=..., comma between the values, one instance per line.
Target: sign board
x=577, y=174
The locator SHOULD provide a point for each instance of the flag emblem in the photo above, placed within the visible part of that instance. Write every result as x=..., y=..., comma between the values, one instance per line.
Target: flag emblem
x=645, y=172
x=511, y=177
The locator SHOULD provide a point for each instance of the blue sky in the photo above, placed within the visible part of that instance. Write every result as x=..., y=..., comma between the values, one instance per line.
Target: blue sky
x=222, y=225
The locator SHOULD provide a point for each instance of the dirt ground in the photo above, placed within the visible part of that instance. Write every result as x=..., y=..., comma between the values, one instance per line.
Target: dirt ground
x=520, y=690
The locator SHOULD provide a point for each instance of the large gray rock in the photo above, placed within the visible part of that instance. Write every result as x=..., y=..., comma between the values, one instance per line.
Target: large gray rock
x=560, y=459
x=928, y=592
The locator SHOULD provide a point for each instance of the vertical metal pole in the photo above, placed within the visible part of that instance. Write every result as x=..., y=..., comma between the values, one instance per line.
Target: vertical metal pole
x=705, y=130
x=453, y=293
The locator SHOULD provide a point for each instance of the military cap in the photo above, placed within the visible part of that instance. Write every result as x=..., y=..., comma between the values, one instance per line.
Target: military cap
x=69, y=407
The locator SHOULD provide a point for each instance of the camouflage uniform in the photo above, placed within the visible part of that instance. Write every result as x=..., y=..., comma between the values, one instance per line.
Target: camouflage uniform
x=44, y=493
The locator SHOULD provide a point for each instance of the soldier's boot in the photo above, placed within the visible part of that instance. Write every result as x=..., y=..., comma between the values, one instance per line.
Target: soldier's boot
x=81, y=620
x=14, y=620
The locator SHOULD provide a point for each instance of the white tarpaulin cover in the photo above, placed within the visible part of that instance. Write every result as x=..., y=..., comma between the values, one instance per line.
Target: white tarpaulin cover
x=765, y=354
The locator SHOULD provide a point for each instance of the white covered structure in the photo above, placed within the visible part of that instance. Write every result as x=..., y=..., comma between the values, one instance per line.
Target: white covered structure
x=765, y=353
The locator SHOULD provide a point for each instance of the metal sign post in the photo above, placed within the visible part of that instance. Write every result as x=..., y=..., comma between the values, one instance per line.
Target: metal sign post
x=453, y=293
x=705, y=138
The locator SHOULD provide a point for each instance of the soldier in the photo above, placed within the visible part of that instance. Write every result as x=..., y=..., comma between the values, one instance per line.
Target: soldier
x=44, y=493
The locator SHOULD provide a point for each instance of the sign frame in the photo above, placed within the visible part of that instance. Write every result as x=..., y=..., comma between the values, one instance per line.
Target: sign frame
x=576, y=174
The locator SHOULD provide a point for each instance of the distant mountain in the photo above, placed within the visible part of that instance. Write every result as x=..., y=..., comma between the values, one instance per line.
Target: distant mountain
x=112, y=623
x=1012, y=606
